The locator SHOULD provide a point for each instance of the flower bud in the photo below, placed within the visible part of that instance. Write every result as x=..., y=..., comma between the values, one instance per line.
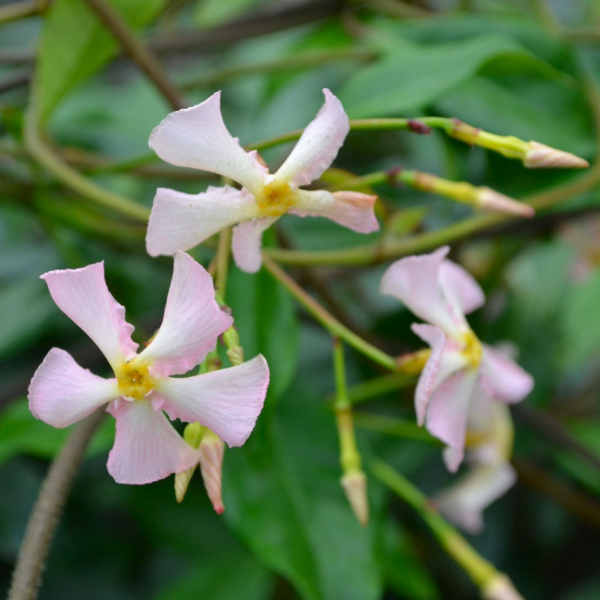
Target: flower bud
x=489, y=199
x=540, y=156
x=211, y=464
x=192, y=434
x=501, y=588
x=355, y=486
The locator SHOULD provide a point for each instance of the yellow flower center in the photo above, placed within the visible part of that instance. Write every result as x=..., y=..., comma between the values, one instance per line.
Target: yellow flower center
x=134, y=381
x=276, y=199
x=472, y=350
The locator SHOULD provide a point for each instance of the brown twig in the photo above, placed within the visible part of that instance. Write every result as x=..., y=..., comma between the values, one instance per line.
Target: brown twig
x=47, y=511
x=137, y=51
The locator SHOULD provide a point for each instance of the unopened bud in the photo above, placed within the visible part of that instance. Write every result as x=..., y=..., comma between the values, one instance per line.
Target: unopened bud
x=540, y=156
x=192, y=434
x=355, y=486
x=211, y=465
x=492, y=200
x=501, y=588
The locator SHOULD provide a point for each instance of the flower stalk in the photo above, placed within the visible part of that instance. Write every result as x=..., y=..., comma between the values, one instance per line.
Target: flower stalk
x=354, y=481
x=492, y=584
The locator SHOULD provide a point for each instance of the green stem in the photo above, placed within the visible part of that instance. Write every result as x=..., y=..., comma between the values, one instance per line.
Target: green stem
x=326, y=319
x=358, y=125
x=365, y=390
x=483, y=573
x=394, y=427
x=71, y=178
x=20, y=10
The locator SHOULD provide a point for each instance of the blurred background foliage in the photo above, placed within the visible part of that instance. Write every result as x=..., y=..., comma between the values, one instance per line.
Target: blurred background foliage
x=507, y=66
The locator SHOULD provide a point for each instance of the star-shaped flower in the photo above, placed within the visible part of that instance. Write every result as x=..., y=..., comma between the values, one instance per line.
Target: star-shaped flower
x=197, y=137
x=147, y=447
x=461, y=371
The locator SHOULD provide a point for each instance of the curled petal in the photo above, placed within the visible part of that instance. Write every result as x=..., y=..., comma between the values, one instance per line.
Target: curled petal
x=246, y=243
x=464, y=502
x=318, y=145
x=349, y=209
x=448, y=413
x=227, y=401
x=506, y=380
x=436, y=338
x=83, y=296
x=416, y=282
x=147, y=447
x=191, y=324
x=460, y=287
x=196, y=137
x=62, y=393
x=181, y=221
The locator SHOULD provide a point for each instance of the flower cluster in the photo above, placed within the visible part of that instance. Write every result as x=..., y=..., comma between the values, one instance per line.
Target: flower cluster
x=464, y=387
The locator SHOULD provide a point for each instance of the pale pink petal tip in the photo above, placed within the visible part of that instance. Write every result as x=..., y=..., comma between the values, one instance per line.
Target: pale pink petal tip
x=246, y=243
x=540, y=156
x=358, y=210
x=191, y=324
x=62, y=393
x=83, y=296
x=147, y=447
x=318, y=145
x=492, y=200
x=231, y=399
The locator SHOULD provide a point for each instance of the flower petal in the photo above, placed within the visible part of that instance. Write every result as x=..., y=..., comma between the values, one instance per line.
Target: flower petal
x=147, y=447
x=435, y=337
x=448, y=413
x=506, y=380
x=246, y=243
x=416, y=282
x=464, y=502
x=83, y=296
x=196, y=137
x=62, y=393
x=318, y=145
x=181, y=221
x=460, y=287
x=191, y=324
x=349, y=209
x=227, y=401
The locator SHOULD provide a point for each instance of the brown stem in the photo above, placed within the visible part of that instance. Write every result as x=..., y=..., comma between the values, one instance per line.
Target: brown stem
x=48, y=510
x=143, y=57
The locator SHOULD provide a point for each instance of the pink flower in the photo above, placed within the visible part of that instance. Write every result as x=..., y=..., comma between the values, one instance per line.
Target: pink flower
x=197, y=137
x=461, y=371
x=147, y=447
x=490, y=475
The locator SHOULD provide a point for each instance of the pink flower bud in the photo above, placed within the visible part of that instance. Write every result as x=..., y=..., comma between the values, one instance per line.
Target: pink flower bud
x=492, y=200
x=211, y=463
x=540, y=156
x=355, y=486
x=501, y=588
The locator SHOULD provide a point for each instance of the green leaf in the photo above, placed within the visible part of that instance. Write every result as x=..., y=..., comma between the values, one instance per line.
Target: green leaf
x=580, y=323
x=75, y=45
x=21, y=433
x=267, y=323
x=413, y=77
x=283, y=496
x=210, y=13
